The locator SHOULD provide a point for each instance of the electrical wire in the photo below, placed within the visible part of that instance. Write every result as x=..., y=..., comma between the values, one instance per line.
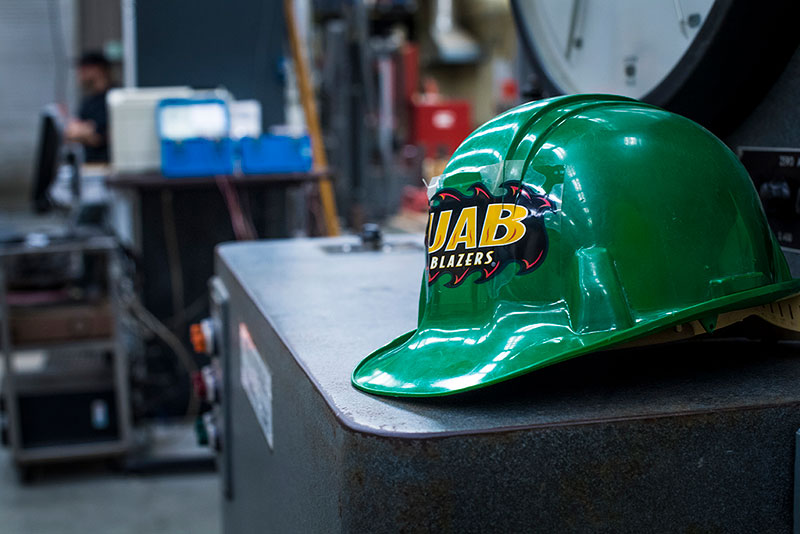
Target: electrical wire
x=189, y=312
x=247, y=212
x=151, y=322
x=242, y=228
x=315, y=209
x=236, y=217
x=143, y=318
x=173, y=259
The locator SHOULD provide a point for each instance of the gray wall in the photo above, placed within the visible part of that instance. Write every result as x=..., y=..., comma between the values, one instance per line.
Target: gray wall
x=37, y=42
x=100, y=22
x=207, y=43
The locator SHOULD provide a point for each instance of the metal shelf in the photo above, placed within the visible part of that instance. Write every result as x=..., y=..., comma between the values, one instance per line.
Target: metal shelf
x=66, y=374
x=93, y=244
x=50, y=453
x=78, y=344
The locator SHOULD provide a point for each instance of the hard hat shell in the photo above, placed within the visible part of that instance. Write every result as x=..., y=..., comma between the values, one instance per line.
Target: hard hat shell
x=573, y=224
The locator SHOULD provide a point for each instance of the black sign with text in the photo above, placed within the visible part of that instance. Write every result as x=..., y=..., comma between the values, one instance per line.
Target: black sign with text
x=776, y=174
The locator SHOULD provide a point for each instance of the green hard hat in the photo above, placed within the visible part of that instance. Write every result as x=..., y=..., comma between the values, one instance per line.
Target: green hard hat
x=574, y=224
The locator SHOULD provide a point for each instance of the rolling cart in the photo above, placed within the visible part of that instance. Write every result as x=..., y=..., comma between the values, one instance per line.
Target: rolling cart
x=65, y=381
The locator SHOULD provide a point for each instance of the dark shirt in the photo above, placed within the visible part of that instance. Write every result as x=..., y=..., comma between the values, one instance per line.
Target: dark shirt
x=93, y=108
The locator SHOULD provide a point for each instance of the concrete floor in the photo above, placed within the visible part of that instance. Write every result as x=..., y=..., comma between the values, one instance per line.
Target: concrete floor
x=88, y=498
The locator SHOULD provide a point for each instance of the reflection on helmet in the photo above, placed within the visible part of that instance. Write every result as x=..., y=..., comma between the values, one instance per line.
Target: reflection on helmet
x=573, y=224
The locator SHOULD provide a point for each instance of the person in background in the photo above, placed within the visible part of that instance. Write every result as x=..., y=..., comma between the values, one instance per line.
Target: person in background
x=91, y=127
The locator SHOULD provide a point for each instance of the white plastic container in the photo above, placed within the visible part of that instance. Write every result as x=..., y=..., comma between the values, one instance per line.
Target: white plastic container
x=134, y=144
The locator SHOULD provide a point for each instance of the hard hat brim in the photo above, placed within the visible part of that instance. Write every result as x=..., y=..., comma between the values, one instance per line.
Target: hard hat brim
x=435, y=361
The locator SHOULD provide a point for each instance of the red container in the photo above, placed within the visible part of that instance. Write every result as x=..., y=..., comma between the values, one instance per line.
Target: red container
x=441, y=126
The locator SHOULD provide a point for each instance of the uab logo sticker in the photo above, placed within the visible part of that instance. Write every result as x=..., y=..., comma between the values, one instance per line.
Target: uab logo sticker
x=480, y=232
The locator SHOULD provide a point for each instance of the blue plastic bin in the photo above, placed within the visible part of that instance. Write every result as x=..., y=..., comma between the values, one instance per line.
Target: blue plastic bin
x=196, y=157
x=275, y=153
x=183, y=153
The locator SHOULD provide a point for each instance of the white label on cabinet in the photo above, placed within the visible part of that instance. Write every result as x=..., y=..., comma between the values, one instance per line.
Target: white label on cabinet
x=256, y=380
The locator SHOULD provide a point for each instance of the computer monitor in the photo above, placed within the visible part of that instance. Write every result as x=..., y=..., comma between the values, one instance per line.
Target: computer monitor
x=48, y=158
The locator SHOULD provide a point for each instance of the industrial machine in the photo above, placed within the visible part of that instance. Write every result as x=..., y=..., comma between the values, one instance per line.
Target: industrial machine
x=697, y=436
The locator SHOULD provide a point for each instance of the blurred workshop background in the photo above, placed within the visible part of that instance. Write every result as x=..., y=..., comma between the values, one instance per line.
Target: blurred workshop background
x=136, y=135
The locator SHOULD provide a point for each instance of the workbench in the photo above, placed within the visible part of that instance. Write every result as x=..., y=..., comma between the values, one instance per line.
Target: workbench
x=690, y=437
x=171, y=226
